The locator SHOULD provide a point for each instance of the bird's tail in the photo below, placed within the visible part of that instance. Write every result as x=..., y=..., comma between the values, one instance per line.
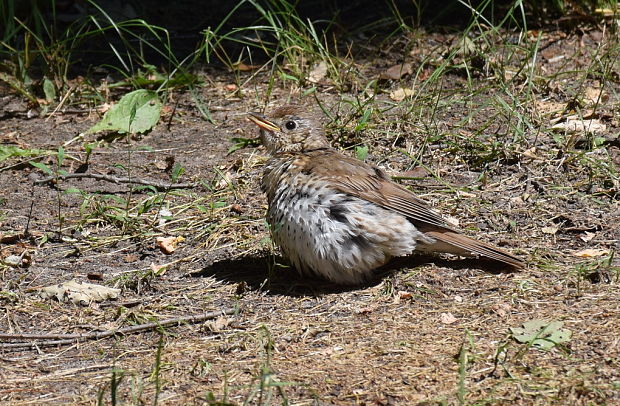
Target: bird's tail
x=459, y=244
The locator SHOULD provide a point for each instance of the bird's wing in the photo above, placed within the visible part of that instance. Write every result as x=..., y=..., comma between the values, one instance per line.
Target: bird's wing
x=356, y=178
x=361, y=180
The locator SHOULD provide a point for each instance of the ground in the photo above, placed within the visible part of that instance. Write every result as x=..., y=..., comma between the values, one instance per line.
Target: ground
x=475, y=141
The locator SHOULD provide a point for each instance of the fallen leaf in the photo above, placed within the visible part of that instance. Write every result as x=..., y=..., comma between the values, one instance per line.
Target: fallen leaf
x=550, y=230
x=403, y=294
x=401, y=94
x=542, y=334
x=465, y=47
x=365, y=309
x=135, y=112
x=397, y=71
x=130, y=258
x=573, y=126
x=587, y=237
x=318, y=73
x=168, y=245
x=218, y=324
x=242, y=67
x=79, y=293
x=590, y=253
x=447, y=318
x=230, y=87
x=13, y=261
x=158, y=269
x=595, y=95
x=531, y=153
x=501, y=309
x=550, y=107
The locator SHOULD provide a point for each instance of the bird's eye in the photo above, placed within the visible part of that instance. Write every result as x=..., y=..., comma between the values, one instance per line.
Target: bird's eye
x=290, y=125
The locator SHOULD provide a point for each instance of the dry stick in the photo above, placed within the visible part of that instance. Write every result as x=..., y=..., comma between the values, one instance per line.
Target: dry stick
x=62, y=102
x=114, y=179
x=60, y=339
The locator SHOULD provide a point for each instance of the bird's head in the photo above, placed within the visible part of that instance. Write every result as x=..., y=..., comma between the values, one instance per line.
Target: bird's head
x=290, y=129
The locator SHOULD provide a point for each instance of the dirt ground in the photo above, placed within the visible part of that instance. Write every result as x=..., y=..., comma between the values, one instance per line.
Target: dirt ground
x=431, y=330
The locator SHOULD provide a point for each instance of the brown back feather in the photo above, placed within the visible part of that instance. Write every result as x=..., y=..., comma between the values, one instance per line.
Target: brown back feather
x=356, y=178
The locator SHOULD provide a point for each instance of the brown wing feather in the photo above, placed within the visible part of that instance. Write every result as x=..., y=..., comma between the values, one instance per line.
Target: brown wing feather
x=361, y=180
x=468, y=246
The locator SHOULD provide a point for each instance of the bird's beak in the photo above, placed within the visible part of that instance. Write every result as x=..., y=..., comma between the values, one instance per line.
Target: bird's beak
x=262, y=122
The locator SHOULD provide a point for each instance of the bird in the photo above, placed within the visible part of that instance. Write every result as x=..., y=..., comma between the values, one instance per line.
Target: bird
x=339, y=218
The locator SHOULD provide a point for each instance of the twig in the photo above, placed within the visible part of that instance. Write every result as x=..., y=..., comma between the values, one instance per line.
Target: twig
x=62, y=102
x=114, y=179
x=61, y=339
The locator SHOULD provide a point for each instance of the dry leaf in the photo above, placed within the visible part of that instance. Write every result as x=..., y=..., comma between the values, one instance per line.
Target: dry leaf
x=79, y=293
x=572, y=126
x=13, y=261
x=465, y=47
x=403, y=294
x=595, y=95
x=501, y=309
x=549, y=107
x=318, y=73
x=130, y=258
x=104, y=108
x=242, y=67
x=397, y=71
x=158, y=269
x=550, y=230
x=531, y=153
x=447, y=318
x=218, y=324
x=168, y=245
x=400, y=94
x=590, y=253
x=587, y=237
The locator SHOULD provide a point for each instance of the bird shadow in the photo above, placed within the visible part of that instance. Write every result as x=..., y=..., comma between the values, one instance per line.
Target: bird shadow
x=257, y=273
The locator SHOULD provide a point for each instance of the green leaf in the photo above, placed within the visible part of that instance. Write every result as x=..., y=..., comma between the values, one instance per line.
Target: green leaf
x=361, y=152
x=61, y=155
x=288, y=77
x=43, y=167
x=240, y=142
x=363, y=123
x=177, y=171
x=542, y=334
x=135, y=112
x=9, y=151
x=49, y=90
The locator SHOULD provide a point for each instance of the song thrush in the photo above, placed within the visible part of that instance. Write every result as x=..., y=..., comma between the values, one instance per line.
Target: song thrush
x=340, y=218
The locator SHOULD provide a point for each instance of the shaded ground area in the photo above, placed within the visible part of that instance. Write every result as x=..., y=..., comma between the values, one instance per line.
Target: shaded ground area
x=477, y=144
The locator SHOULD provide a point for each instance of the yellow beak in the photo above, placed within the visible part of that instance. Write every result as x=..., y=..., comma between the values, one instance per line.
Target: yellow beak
x=262, y=122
